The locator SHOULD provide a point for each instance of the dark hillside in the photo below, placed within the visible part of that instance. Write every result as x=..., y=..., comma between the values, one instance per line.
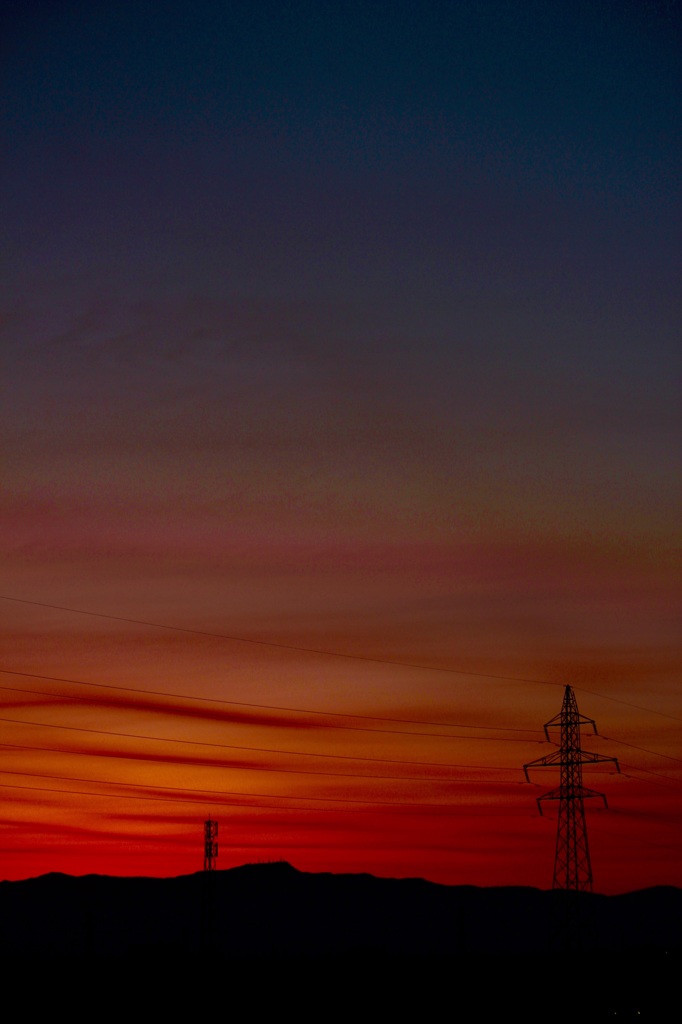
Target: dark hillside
x=275, y=910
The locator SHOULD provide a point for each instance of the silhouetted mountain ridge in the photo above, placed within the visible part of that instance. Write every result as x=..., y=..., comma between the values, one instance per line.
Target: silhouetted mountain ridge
x=273, y=909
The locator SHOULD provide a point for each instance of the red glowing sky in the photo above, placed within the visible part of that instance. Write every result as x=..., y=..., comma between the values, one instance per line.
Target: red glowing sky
x=341, y=435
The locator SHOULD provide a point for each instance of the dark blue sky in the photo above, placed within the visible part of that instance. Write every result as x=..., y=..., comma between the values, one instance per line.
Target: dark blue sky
x=404, y=118
x=460, y=219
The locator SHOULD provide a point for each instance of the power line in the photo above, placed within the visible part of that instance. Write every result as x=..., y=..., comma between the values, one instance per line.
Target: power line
x=260, y=707
x=649, y=771
x=627, y=703
x=275, y=644
x=271, y=707
x=261, y=768
x=645, y=750
x=327, y=653
x=216, y=793
x=229, y=746
x=327, y=719
x=208, y=794
x=305, y=753
x=402, y=808
x=321, y=725
x=234, y=746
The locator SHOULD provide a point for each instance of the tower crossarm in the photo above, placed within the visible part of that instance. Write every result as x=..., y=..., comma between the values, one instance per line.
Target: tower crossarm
x=579, y=792
x=548, y=761
x=558, y=759
x=587, y=757
x=576, y=719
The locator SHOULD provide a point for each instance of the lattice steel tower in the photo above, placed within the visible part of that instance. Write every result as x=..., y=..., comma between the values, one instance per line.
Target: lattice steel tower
x=210, y=844
x=572, y=867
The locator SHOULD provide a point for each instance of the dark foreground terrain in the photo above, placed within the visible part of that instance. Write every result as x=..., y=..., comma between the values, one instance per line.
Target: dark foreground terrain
x=572, y=956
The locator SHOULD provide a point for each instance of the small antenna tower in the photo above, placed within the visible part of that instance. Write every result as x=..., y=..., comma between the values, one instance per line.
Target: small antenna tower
x=572, y=867
x=208, y=886
x=210, y=844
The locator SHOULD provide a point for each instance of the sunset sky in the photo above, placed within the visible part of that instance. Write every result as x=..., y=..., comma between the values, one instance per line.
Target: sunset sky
x=341, y=431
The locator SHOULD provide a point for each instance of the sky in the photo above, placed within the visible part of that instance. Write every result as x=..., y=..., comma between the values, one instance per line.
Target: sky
x=341, y=432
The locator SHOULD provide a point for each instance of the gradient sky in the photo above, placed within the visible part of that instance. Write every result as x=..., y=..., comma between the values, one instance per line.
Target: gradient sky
x=345, y=328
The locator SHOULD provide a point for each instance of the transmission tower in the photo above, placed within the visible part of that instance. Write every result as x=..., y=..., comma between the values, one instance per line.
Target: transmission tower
x=572, y=867
x=208, y=887
x=210, y=844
